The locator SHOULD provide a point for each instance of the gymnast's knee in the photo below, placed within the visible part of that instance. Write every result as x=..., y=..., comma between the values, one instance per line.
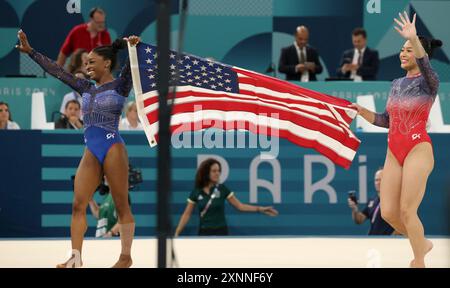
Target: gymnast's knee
x=390, y=215
x=79, y=207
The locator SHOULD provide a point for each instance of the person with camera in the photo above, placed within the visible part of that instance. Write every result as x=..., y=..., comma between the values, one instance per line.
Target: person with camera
x=372, y=211
x=105, y=213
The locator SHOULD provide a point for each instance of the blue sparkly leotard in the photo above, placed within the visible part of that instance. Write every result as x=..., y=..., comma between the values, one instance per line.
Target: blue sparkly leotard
x=101, y=105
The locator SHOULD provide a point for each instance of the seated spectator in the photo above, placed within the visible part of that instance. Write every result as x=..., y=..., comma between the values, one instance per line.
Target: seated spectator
x=71, y=117
x=300, y=62
x=359, y=63
x=78, y=62
x=131, y=120
x=6, y=122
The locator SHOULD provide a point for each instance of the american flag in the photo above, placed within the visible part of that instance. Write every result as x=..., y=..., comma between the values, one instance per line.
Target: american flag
x=243, y=100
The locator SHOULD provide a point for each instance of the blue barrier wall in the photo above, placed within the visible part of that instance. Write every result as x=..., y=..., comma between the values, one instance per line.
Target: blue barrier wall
x=36, y=190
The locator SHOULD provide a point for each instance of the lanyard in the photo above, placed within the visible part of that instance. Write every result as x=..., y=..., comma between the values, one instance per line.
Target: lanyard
x=375, y=213
x=213, y=195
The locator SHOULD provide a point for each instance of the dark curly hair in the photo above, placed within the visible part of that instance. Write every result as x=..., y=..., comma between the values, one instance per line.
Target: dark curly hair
x=202, y=176
x=109, y=52
x=430, y=45
x=76, y=61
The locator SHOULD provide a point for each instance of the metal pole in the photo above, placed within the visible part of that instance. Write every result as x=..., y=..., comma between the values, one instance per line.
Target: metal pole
x=164, y=157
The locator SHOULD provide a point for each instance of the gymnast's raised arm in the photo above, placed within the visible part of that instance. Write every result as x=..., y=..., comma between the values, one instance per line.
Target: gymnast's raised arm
x=77, y=84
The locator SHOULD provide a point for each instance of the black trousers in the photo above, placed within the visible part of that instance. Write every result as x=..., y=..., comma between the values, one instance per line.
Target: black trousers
x=219, y=231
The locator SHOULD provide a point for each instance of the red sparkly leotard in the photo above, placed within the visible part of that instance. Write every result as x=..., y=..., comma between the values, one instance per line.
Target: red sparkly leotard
x=407, y=110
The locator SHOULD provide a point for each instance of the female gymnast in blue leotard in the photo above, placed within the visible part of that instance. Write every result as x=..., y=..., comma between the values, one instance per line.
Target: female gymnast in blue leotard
x=105, y=154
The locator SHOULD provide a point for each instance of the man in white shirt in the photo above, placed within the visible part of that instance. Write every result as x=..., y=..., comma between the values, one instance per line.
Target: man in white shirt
x=356, y=63
x=360, y=63
x=300, y=62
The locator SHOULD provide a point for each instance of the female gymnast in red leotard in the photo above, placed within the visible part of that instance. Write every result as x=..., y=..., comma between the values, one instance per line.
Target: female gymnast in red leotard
x=409, y=160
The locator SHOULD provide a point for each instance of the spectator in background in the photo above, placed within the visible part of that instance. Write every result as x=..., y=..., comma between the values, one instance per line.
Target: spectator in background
x=359, y=63
x=6, y=122
x=131, y=120
x=105, y=213
x=210, y=198
x=86, y=36
x=78, y=62
x=71, y=117
x=372, y=211
x=76, y=67
x=300, y=62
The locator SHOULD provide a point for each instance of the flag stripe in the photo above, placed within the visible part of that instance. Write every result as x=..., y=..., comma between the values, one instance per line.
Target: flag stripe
x=249, y=89
x=334, y=156
x=341, y=146
x=153, y=108
x=288, y=116
x=284, y=86
x=294, y=99
x=191, y=96
x=151, y=99
x=287, y=101
x=339, y=104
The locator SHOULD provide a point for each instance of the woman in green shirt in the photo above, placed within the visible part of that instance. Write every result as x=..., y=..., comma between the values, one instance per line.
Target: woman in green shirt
x=210, y=198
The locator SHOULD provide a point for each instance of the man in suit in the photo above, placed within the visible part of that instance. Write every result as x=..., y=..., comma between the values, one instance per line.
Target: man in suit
x=300, y=62
x=360, y=63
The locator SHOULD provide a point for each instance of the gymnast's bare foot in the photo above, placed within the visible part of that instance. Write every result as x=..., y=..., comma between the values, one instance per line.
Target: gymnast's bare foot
x=417, y=263
x=420, y=263
x=428, y=246
x=124, y=261
x=73, y=262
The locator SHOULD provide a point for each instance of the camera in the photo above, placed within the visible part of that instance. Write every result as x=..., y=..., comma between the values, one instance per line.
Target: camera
x=134, y=178
x=103, y=188
x=352, y=196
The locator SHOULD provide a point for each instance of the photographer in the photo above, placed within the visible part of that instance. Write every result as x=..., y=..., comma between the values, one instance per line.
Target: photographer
x=372, y=211
x=107, y=224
